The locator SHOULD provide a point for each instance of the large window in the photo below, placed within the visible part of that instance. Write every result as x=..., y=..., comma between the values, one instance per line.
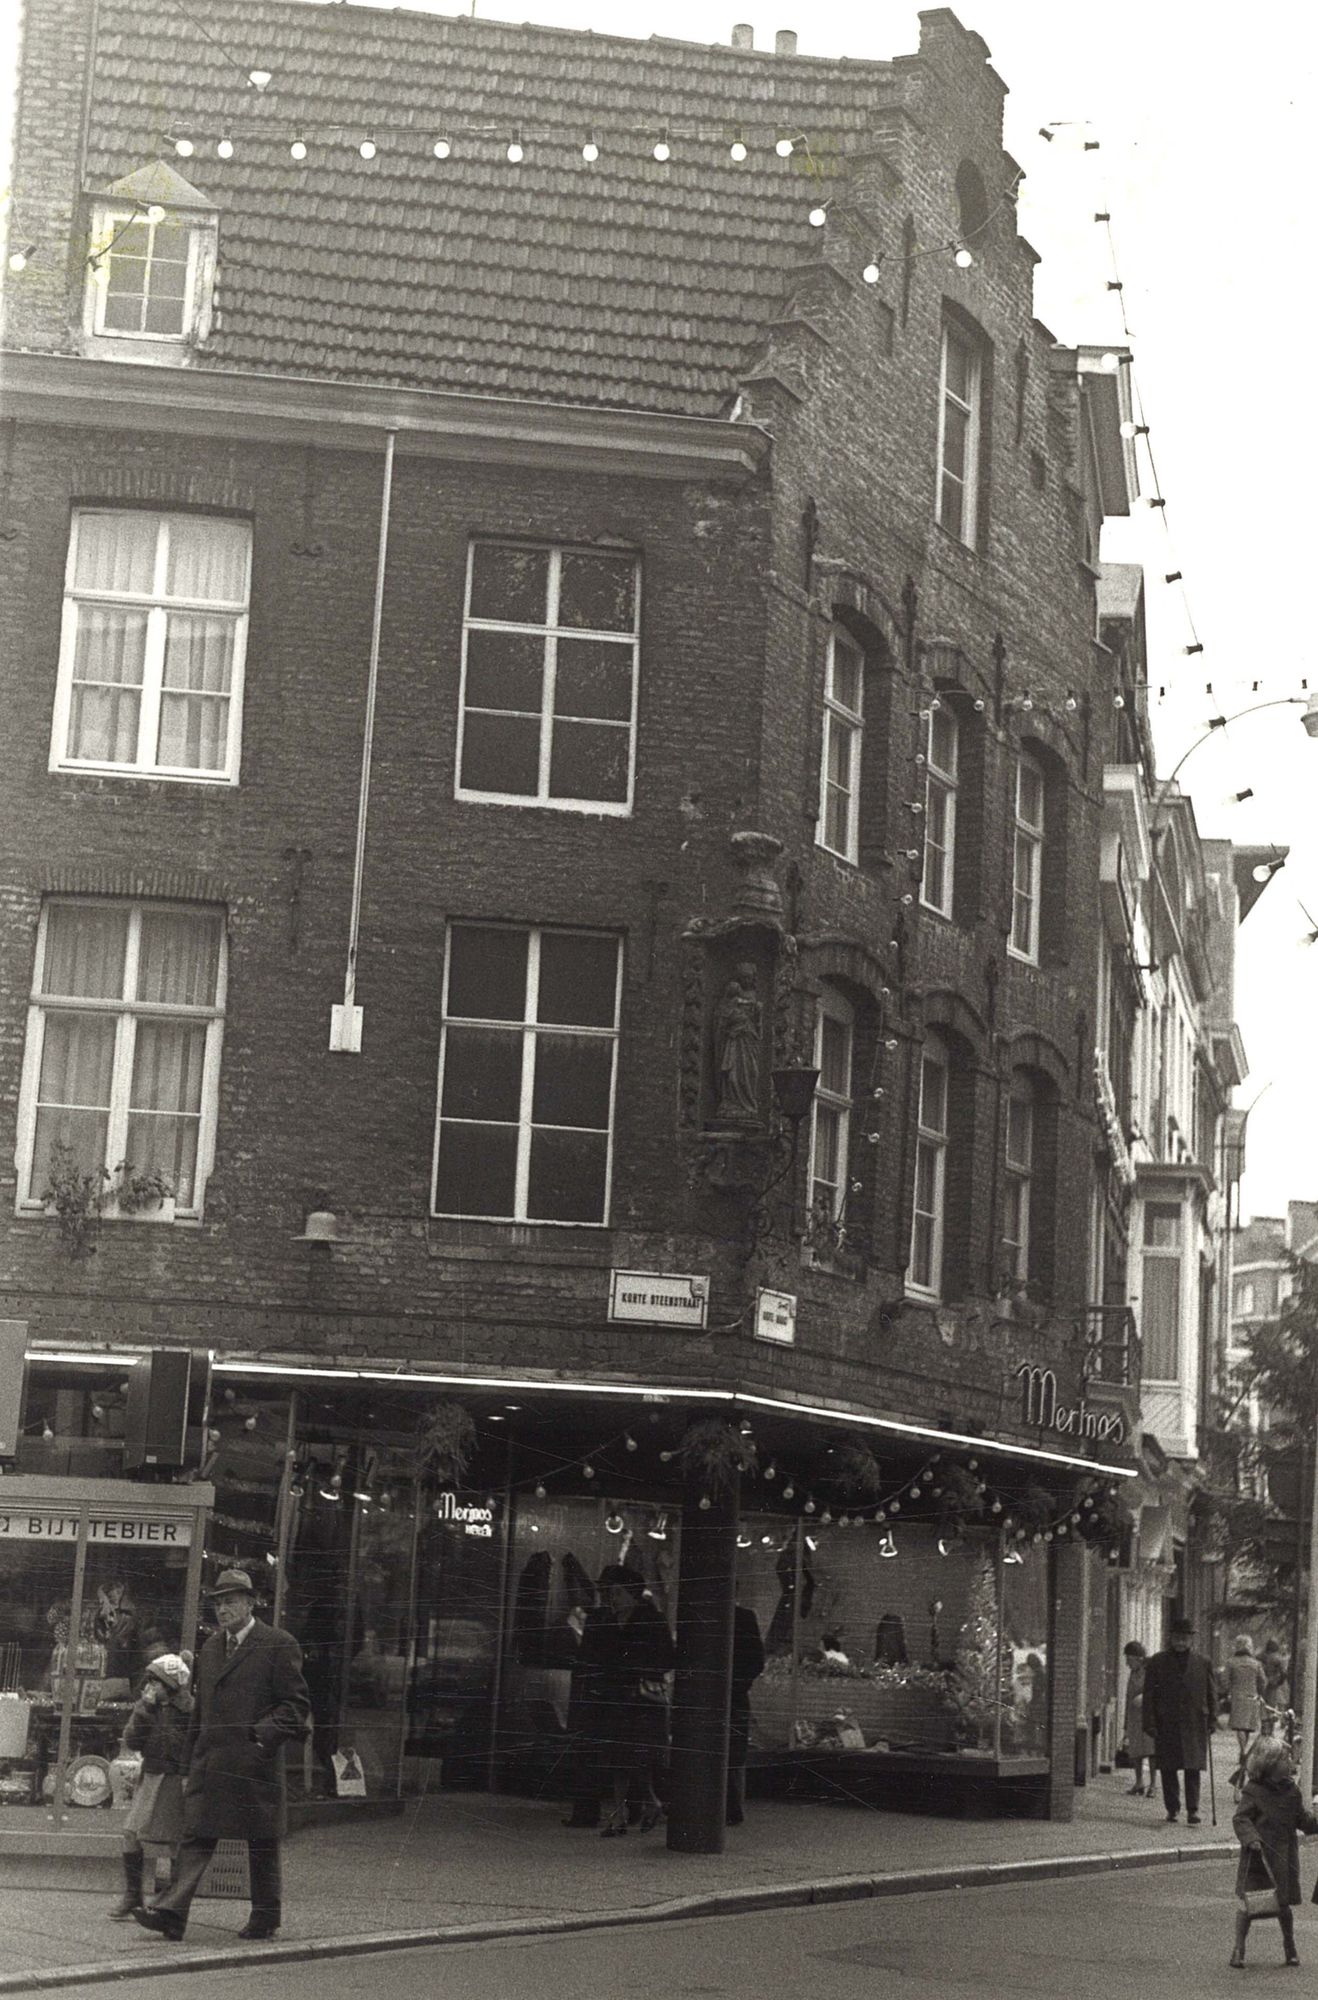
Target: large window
x=123, y=1047
x=144, y=274
x=1160, y=1301
x=927, y=1220
x=151, y=656
x=830, y=1131
x=839, y=797
x=942, y=764
x=549, y=671
x=1027, y=859
x=959, y=428
x=527, y=1069
x=1018, y=1179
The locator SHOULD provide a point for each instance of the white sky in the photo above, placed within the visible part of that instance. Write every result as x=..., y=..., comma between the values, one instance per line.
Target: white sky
x=1204, y=118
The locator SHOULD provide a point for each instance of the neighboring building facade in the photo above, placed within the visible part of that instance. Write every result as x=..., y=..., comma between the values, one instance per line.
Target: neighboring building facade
x=559, y=735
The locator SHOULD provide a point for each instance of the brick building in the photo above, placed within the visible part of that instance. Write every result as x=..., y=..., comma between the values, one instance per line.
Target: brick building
x=596, y=607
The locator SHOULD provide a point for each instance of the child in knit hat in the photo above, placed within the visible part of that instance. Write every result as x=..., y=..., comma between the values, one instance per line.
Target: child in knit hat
x=158, y=1727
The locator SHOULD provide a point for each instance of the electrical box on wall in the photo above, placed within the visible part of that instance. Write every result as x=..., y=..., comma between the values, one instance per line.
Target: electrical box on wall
x=156, y=1418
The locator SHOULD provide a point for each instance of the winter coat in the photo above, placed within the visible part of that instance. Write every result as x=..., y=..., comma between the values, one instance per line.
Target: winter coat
x=1270, y=1816
x=629, y=1717
x=1180, y=1709
x=1138, y=1744
x=249, y=1704
x=161, y=1731
x=1243, y=1681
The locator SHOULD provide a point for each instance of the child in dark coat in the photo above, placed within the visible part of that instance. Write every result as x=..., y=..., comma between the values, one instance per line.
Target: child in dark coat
x=1270, y=1817
x=158, y=1727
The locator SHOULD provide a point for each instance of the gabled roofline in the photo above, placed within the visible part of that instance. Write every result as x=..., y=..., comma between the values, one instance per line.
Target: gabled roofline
x=429, y=423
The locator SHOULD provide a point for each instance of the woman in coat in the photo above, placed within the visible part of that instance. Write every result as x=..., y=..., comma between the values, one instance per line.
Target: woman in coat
x=633, y=1652
x=1245, y=1682
x=1270, y=1816
x=158, y=1729
x=1137, y=1745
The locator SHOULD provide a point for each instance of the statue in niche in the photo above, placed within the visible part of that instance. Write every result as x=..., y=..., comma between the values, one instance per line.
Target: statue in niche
x=737, y=1047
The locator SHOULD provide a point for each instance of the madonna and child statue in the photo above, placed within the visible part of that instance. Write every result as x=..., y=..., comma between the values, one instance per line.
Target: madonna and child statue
x=737, y=1049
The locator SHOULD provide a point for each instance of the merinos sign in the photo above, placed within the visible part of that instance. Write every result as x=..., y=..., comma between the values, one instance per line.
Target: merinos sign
x=1040, y=1410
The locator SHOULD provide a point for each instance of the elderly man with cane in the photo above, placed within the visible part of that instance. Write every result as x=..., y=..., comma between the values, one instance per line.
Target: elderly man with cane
x=1180, y=1714
x=251, y=1699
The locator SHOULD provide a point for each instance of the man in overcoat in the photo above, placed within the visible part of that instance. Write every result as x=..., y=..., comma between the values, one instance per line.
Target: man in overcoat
x=251, y=1699
x=1180, y=1713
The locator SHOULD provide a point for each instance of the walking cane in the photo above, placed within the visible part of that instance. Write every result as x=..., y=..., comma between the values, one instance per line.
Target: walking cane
x=1212, y=1788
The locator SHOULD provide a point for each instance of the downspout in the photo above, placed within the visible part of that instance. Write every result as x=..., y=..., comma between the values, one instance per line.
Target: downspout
x=346, y=1020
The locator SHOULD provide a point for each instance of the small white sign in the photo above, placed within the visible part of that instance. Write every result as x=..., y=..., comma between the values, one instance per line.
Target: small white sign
x=663, y=1298
x=775, y=1317
x=128, y=1530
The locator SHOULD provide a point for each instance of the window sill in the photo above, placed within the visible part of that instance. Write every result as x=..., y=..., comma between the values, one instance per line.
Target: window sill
x=574, y=808
x=124, y=774
x=955, y=542
x=1022, y=957
x=586, y=1244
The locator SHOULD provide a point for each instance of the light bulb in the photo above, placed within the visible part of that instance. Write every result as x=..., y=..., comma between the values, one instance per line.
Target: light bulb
x=784, y=149
x=155, y=213
x=979, y=704
x=737, y=150
x=662, y=151
x=1110, y=363
x=871, y=273
x=249, y=1423
x=47, y=1434
x=298, y=150
x=789, y=1492
x=704, y=1503
x=516, y=153
x=964, y=259
x=441, y=149
x=367, y=149
x=540, y=1492
x=1071, y=702
x=630, y=1442
x=590, y=152
x=184, y=148
x=588, y=1472
x=224, y=147
x=260, y=79
x=818, y=217
x=1119, y=701
x=18, y=260
x=1129, y=430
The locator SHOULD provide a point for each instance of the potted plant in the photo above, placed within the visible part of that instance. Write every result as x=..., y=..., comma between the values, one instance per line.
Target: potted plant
x=143, y=1191
x=75, y=1196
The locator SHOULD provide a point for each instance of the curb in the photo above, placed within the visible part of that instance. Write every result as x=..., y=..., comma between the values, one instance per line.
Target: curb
x=722, y=1903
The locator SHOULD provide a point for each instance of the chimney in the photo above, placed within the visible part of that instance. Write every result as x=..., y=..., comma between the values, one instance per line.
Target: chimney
x=784, y=42
x=743, y=36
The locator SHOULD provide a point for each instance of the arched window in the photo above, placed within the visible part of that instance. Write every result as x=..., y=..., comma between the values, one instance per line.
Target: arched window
x=930, y=1202
x=830, y=1129
x=942, y=769
x=1027, y=858
x=844, y=729
x=1018, y=1179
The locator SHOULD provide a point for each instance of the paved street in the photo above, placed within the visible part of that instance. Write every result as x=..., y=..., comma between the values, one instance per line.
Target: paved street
x=1163, y=1933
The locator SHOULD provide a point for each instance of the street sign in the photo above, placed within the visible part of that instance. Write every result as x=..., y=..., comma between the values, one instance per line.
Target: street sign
x=775, y=1317
x=660, y=1298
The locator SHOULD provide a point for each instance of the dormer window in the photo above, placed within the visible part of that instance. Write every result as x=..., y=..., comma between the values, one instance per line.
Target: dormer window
x=144, y=280
x=150, y=268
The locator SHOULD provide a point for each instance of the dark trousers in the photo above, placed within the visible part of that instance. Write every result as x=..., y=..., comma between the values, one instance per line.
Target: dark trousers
x=739, y=1743
x=263, y=1862
x=1171, y=1790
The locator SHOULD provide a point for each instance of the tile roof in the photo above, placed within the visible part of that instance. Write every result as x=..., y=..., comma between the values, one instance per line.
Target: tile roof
x=623, y=282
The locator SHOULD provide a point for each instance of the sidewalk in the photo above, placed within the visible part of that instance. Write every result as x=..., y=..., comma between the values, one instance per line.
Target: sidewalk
x=477, y=1865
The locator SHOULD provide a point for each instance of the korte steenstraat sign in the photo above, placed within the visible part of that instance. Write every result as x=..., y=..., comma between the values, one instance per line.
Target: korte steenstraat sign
x=1041, y=1410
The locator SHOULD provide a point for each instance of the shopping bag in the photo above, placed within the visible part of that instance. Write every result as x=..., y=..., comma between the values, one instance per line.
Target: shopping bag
x=1261, y=1902
x=1123, y=1761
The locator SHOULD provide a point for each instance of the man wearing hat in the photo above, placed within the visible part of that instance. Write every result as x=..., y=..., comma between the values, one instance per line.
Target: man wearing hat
x=251, y=1699
x=1180, y=1714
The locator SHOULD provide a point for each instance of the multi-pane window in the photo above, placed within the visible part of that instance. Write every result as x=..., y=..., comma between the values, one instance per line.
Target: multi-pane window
x=959, y=423
x=550, y=658
x=123, y=1045
x=143, y=273
x=1160, y=1291
x=830, y=1132
x=1027, y=859
x=927, y=1220
x=527, y=1068
x=942, y=762
x=1017, y=1180
x=151, y=653
x=844, y=722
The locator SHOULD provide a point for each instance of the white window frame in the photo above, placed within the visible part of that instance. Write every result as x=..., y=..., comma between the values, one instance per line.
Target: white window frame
x=931, y=1145
x=1027, y=863
x=971, y=407
x=158, y=608
x=841, y=721
x=1248, y=1304
x=941, y=783
x=1167, y=1254
x=109, y=223
x=531, y=1030
x=833, y=1104
x=127, y=1013
x=1018, y=1182
x=550, y=631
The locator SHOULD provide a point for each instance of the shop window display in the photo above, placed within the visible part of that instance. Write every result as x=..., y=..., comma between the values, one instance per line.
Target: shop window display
x=891, y=1642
